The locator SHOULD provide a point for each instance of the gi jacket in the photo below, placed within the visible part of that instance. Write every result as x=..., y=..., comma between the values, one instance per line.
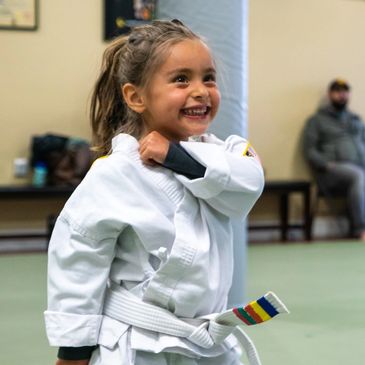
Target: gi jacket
x=163, y=237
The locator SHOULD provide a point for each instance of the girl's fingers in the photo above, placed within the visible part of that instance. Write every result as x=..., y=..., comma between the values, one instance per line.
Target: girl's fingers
x=146, y=156
x=153, y=148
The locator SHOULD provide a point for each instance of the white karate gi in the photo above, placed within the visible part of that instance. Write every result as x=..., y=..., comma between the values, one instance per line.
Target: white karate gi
x=163, y=237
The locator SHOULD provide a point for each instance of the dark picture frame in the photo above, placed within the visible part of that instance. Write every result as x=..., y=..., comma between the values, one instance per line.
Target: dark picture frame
x=19, y=14
x=121, y=15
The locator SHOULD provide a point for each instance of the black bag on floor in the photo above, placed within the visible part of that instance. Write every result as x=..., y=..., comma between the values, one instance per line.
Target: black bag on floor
x=67, y=159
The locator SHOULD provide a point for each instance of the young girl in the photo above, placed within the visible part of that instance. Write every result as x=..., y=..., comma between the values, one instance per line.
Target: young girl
x=140, y=260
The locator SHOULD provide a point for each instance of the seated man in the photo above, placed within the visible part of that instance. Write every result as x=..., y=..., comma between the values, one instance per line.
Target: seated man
x=334, y=146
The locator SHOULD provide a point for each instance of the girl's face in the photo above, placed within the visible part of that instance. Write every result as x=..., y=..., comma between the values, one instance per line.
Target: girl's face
x=182, y=97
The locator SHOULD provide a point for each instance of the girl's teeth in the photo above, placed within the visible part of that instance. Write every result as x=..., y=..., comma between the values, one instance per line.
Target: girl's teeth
x=195, y=111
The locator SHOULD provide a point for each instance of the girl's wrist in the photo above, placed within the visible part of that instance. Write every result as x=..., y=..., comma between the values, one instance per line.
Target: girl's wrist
x=72, y=362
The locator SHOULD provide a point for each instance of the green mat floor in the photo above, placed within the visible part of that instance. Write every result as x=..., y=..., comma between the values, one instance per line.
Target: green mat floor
x=323, y=286
x=321, y=283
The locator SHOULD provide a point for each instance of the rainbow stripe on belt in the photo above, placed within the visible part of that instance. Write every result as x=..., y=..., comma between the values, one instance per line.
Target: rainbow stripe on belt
x=260, y=310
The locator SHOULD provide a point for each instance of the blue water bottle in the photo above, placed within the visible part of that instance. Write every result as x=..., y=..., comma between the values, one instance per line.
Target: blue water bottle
x=40, y=173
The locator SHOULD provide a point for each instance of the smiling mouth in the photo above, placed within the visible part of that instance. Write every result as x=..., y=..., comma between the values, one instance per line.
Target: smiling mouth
x=196, y=111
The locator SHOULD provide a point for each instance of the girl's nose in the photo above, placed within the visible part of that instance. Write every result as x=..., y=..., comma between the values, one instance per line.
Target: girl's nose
x=199, y=91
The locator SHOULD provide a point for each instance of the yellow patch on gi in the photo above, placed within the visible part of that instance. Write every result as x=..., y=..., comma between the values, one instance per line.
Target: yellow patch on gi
x=244, y=153
x=100, y=158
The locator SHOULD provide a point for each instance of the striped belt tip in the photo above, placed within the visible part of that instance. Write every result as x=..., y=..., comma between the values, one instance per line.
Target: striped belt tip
x=261, y=310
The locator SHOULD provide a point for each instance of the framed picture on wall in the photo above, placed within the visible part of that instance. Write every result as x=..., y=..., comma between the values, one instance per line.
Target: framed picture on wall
x=121, y=15
x=19, y=14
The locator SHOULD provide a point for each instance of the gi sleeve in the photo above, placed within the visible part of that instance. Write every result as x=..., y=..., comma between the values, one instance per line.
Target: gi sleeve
x=78, y=269
x=233, y=179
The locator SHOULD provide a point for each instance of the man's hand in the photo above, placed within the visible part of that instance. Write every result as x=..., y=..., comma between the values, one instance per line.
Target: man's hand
x=72, y=362
x=153, y=148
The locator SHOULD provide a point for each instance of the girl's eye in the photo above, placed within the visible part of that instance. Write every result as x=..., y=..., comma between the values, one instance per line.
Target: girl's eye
x=182, y=79
x=210, y=78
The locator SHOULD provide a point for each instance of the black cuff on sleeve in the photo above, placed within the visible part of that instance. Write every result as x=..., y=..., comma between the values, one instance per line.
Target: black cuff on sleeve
x=178, y=160
x=75, y=353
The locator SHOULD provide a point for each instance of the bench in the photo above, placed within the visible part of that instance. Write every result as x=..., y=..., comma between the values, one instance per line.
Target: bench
x=283, y=189
x=29, y=192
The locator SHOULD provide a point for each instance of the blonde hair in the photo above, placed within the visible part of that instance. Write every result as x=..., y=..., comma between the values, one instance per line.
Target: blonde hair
x=129, y=59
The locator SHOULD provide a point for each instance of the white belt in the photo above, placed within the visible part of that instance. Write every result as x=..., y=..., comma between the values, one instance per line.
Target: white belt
x=204, y=331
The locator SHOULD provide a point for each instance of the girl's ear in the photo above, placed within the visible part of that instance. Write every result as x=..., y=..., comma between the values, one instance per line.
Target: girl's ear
x=133, y=97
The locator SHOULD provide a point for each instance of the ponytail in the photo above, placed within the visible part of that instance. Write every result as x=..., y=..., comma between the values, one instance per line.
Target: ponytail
x=108, y=112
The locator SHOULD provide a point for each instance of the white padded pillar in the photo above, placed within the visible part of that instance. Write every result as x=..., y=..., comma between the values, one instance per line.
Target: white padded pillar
x=224, y=26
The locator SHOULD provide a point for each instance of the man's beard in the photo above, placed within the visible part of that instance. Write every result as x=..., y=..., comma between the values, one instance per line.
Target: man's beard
x=339, y=105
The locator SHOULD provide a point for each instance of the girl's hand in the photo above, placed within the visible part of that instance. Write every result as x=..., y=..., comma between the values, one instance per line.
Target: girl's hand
x=153, y=148
x=72, y=362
